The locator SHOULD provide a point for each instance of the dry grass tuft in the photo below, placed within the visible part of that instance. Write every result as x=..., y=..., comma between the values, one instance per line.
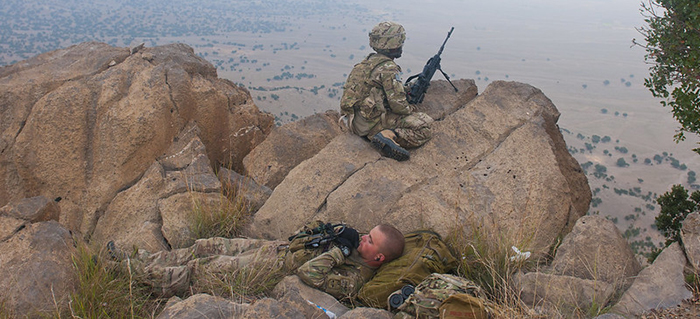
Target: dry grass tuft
x=223, y=218
x=105, y=291
x=485, y=258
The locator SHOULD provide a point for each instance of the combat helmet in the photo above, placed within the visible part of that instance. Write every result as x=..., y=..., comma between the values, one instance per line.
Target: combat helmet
x=387, y=35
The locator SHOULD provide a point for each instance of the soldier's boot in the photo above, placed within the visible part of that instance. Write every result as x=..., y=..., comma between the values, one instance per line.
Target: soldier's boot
x=385, y=142
x=116, y=253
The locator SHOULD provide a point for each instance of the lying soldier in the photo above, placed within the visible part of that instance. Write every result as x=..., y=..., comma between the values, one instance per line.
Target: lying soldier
x=332, y=258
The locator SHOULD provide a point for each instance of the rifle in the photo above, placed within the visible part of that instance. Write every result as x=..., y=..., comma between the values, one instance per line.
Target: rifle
x=417, y=90
x=320, y=236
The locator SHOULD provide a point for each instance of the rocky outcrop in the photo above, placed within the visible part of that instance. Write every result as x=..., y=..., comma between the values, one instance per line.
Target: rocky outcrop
x=498, y=161
x=157, y=212
x=86, y=122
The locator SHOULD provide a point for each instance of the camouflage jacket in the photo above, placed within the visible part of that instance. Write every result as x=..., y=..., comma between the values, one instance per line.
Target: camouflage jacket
x=385, y=98
x=336, y=275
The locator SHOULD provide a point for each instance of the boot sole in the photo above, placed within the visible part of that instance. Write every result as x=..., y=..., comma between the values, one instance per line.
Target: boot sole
x=389, y=148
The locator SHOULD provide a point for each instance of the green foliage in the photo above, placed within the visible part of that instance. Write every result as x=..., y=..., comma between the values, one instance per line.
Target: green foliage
x=675, y=206
x=621, y=162
x=672, y=37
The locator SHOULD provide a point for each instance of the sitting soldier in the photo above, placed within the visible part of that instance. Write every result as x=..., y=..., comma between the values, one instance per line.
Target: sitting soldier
x=375, y=101
x=331, y=258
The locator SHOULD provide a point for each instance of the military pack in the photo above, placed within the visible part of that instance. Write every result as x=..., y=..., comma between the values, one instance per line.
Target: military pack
x=424, y=253
x=358, y=85
x=446, y=296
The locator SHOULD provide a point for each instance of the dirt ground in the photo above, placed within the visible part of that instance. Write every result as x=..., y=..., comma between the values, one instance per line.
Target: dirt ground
x=688, y=309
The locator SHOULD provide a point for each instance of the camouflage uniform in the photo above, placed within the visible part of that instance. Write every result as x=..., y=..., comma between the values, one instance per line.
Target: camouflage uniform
x=385, y=105
x=335, y=274
x=170, y=272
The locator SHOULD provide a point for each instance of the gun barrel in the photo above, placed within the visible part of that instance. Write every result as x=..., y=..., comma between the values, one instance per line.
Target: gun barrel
x=445, y=42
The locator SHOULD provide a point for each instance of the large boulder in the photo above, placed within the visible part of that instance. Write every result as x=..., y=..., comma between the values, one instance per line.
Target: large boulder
x=596, y=250
x=570, y=296
x=659, y=286
x=85, y=122
x=690, y=235
x=38, y=274
x=289, y=145
x=499, y=162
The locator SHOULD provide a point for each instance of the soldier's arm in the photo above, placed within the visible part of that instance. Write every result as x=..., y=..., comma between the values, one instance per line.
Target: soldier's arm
x=395, y=91
x=324, y=273
x=315, y=271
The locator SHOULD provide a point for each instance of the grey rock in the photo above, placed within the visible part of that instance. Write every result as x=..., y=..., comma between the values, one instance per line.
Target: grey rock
x=37, y=270
x=319, y=298
x=290, y=306
x=596, y=250
x=9, y=226
x=34, y=209
x=367, y=313
x=253, y=194
x=690, y=235
x=659, y=286
x=289, y=145
x=203, y=306
x=441, y=100
x=570, y=296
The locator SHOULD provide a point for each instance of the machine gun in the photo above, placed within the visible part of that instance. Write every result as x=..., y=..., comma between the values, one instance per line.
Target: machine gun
x=319, y=236
x=417, y=90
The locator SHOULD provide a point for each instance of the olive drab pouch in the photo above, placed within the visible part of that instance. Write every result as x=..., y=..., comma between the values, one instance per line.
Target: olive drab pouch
x=356, y=91
x=424, y=253
x=446, y=296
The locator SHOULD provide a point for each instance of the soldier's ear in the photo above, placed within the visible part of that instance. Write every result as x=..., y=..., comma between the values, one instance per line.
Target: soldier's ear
x=380, y=258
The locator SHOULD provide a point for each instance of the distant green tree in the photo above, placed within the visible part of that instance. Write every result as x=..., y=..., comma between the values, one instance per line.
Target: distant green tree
x=672, y=40
x=675, y=206
x=621, y=162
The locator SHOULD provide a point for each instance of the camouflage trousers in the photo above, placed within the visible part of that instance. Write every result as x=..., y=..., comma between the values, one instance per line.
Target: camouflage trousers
x=412, y=130
x=170, y=272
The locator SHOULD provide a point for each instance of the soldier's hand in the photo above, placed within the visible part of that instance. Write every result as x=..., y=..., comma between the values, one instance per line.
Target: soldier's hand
x=348, y=240
x=351, y=236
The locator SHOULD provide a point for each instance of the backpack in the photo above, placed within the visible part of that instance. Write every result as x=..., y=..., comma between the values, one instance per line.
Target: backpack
x=424, y=253
x=357, y=87
x=446, y=296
